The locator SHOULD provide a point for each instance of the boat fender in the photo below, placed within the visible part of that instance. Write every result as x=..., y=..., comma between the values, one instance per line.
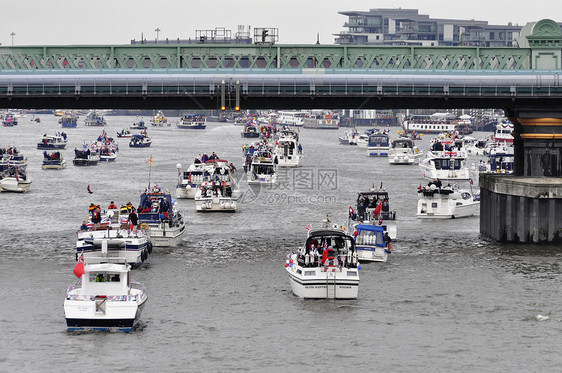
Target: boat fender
x=142, y=256
x=150, y=247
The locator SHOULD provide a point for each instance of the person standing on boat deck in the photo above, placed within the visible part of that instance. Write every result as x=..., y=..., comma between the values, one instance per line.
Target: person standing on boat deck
x=438, y=183
x=387, y=241
x=133, y=218
x=96, y=217
x=111, y=206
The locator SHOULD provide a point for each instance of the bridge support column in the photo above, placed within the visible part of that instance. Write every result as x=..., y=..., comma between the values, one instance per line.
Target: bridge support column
x=526, y=207
x=521, y=209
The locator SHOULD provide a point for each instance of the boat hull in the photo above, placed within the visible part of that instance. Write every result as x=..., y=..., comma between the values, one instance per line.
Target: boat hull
x=263, y=179
x=215, y=205
x=377, y=151
x=446, y=212
x=85, y=162
x=11, y=184
x=51, y=146
x=168, y=237
x=371, y=254
x=53, y=165
x=119, y=315
x=327, y=283
x=192, y=127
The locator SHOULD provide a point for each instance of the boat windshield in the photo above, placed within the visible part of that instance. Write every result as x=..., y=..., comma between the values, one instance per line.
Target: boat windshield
x=335, y=242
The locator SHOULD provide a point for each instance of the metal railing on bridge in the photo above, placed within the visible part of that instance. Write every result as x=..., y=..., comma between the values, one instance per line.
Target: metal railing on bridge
x=137, y=57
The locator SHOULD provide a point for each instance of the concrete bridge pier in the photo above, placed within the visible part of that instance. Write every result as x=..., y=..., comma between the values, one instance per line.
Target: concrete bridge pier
x=526, y=207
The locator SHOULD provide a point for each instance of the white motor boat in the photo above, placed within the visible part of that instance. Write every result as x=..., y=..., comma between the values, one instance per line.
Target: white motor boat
x=105, y=298
x=326, y=266
x=160, y=214
x=370, y=243
x=107, y=154
x=445, y=166
x=287, y=149
x=53, y=161
x=349, y=138
x=138, y=125
x=262, y=168
x=378, y=145
x=192, y=121
x=198, y=173
x=445, y=202
x=215, y=197
x=131, y=244
x=14, y=180
x=363, y=141
x=57, y=141
x=190, y=180
x=403, y=151
x=87, y=157
x=373, y=207
x=11, y=157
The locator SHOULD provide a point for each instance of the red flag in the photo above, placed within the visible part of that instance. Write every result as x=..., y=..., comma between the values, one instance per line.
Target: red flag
x=420, y=187
x=324, y=254
x=377, y=210
x=79, y=267
x=350, y=211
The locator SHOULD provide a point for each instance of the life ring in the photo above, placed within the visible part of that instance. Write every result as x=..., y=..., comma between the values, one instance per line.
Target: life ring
x=144, y=226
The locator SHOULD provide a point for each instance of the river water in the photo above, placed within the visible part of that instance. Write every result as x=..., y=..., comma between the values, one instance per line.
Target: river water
x=446, y=300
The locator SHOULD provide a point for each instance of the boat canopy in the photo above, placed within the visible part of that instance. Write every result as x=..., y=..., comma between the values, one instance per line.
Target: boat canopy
x=378, y=139
x=333, y=239
x=379, y=194
x=369, y=230
x=402, y=143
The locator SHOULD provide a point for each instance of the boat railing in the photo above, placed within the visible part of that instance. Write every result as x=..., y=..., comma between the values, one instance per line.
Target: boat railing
x=348, y=260
x=137, y=286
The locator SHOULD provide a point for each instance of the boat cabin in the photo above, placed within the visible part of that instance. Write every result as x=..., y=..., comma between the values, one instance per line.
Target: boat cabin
x=367, y=202
x=447, y=163
x=105, y=279
x=378, y=140
x=402, y=143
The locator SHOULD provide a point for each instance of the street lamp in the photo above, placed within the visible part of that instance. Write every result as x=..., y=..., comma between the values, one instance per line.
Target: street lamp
x=12, y=35
x=157, y=31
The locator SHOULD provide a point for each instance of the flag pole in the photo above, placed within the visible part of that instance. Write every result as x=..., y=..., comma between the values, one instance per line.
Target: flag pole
x=149, y=171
